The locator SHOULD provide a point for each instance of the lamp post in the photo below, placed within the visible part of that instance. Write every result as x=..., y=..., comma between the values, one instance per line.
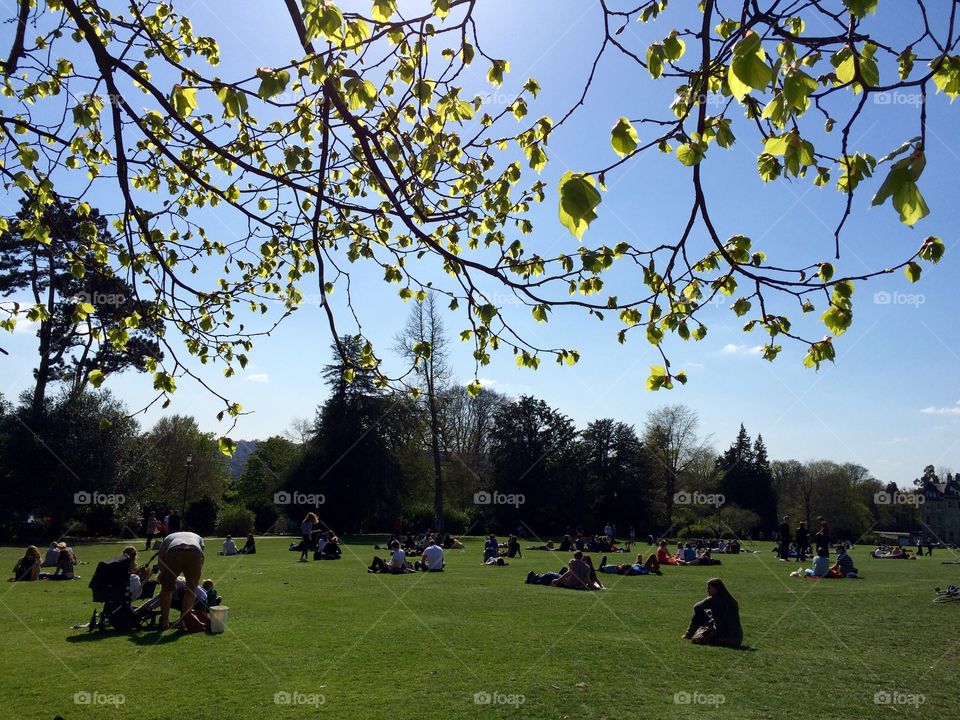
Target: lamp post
x=186, y=481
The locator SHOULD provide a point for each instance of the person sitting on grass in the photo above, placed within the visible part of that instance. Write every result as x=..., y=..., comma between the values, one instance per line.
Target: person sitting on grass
x=27, y=568
x=663, y=555
x=66, y=561
x=566, y=545
x=50, y=559
x=821, y=564
x=843, y=568
x=331, y=548
x=251, y=546
x=580, y=574
x=513, y=547
x=229, y=546
x=490, y=548
x=432, y=558
x=716, y=618
x=395, y=566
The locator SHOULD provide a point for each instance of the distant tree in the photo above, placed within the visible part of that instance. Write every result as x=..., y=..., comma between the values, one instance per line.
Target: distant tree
x=533, y=449
x=670, y=436
x=424, y=343
x=60, y=460
x=90, y=322
x=266, y=469
x=617, y=476
x=166, y=448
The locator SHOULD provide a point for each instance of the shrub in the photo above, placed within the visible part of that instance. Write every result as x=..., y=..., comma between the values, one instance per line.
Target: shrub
x=265, y=514
x=201, y=516
x=236, y=521
x=696, y=531
x=421, y=516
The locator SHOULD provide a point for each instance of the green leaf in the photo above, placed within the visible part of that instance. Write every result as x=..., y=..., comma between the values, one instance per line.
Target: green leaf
x=578, y=200
x=748, y=70
x=825, y=272
x=184, y=100
x=272, y=82
x=860, y=8
x=932, y=249
x=227, y=446
x=912, y=271
x=234, y=103
x=383, y=10
x=691, y=154
x=96, y=378
x=623, y=137
x=496, y=72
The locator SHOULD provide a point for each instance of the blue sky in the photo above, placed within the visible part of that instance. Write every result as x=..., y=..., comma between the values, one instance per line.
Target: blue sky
x=891, y=402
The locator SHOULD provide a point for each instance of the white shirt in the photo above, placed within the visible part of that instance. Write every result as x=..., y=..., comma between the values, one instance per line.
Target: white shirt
x=136, y=587
x=321, y=544
x=433, y=557
x=398, y=560
x=187, y=540
x=229, y=547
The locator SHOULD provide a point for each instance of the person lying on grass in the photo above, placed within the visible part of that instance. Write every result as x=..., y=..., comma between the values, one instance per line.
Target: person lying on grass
x=499, y=562
x=395, y=566
x=548, y=546
x=716, y=618
x=640, y=567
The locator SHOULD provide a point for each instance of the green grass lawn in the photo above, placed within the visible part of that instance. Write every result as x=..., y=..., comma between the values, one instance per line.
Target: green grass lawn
x=343, y=643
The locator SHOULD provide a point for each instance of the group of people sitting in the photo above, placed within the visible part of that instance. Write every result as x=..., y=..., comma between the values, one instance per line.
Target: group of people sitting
x=230, y=547
x=431, y=559
x=842, y=568
x=416, y=546
x=577, y=574
x=686, y=555
x=884, y=552
x=493, y=550
x=59, y=556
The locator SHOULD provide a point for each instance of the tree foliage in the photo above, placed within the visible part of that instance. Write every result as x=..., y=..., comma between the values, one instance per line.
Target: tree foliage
x=366, y=148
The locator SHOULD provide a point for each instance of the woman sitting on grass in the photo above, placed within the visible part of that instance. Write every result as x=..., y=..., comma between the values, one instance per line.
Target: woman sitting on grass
x=66, y=561
x=821, y=565
x=716, y=618
x=251, y=546
x=27, y=567
x=513, y=547
x=663, y=555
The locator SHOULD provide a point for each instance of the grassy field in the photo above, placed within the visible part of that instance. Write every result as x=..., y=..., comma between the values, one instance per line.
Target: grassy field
x=327, y=639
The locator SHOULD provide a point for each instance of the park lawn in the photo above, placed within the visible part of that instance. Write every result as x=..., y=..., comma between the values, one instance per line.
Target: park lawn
x=342, y=643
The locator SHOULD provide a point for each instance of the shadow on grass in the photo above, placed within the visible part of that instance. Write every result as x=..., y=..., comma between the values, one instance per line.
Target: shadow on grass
x=144, y=637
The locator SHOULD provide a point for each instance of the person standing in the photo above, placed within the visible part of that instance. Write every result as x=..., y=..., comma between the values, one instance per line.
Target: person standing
x=785, y=538
x=803, y=541
x=150, y=528
x=306, y=532
x=173, y=522
x=180, y=553
x=929, y=546
x=823, y=536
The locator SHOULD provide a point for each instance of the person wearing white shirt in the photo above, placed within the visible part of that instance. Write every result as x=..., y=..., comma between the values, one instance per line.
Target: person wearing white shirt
x=432, y=559
x=396, y=565
x=229, y=546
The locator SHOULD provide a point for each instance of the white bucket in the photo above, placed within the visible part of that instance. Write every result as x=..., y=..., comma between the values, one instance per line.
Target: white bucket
x=218, y=618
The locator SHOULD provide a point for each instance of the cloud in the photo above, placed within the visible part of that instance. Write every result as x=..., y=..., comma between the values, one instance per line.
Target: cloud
x=486, y=382
x=933, y=410
x=258, y=378
x=25, y=326
x=731, y=349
